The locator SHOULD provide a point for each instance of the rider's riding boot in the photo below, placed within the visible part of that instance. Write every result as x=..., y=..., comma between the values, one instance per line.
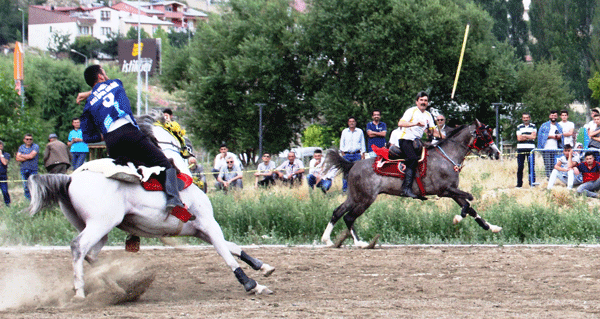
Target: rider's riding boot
x=174, y=204
x=409, y=175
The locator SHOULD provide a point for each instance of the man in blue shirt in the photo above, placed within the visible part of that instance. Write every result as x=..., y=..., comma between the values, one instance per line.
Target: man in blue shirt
x=376, y=131
x=28, y=157
x=107, y=114
x=4, y=159
x=79, y=149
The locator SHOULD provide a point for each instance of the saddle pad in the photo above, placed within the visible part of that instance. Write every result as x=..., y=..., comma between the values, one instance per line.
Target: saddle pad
x=153, y=185
x=392, y=168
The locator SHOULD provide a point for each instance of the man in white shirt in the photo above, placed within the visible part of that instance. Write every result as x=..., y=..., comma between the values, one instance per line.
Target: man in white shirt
x=563, y=172
x=395, y=136
x=291, y=170
x=352, y=145
x=550, y=138
x=568, y=128
x=220, y=159
x=316, y=174
x=267, y=170
x=415, y=121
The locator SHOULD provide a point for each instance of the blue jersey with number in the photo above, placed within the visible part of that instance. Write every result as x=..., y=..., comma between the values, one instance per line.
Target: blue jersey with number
x=107, y=103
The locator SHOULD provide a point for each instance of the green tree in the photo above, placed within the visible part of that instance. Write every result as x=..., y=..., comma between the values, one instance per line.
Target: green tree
x=132, y=34
x=10, y=22
x=361, y=55
x=317, y=135
x=565, y=31
x=86, y=45
x=237, y=60
x=543, y=89
x=59, y=42
x=179, y=39
x=111, y=45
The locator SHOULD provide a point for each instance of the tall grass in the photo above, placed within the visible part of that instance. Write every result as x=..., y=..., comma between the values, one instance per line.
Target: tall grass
x=283, y=215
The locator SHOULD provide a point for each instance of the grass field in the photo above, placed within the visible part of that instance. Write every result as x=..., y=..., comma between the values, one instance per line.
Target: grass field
x=281, y=215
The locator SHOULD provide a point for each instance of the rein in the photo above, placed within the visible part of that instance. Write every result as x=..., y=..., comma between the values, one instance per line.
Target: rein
x=457, y=167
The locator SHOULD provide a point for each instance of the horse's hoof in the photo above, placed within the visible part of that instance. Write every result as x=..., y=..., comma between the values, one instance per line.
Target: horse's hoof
x=267, y=270
x=457, y=219
x=495, y=229
x=361, y=244
x=340, y=240
x=261, y=290
x=328, y=243
x=373, y=242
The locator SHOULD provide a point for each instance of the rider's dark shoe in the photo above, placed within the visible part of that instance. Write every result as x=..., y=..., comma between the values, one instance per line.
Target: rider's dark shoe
x=407, y=192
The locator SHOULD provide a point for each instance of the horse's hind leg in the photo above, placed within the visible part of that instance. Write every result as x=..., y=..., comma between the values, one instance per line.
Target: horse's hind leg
x=92, y=255
x=351, y=217
x=237, y=251
x=211, y=229
x=468, y=210
x=337, y=214
x=80, y=246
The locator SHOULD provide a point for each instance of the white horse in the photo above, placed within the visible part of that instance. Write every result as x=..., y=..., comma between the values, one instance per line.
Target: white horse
x=94, y=205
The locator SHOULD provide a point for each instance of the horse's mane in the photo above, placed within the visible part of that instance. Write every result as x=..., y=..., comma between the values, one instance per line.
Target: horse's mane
x=146, y=122
x=453, y=132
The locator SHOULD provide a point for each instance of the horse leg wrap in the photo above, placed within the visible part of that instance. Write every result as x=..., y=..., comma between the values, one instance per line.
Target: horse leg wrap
x=253, y=262
x=248, y=283
x=463, y=211
x=482, y=223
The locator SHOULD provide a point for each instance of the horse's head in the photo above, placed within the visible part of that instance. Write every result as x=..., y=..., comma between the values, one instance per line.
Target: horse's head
x=483, y=141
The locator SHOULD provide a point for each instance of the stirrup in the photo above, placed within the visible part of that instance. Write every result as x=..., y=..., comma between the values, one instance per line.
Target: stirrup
x=408, y=193
x=182, y=213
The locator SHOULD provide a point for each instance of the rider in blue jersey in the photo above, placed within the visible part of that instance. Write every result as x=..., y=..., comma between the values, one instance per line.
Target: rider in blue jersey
x=107, y=114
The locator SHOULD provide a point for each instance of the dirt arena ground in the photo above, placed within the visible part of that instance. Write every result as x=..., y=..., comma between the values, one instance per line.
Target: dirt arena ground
x=392, y=282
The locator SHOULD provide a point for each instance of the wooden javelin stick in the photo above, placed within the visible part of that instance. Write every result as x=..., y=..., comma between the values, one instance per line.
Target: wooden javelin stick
x=462, y=54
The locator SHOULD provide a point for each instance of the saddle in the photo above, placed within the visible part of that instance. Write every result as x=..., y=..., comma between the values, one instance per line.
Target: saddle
x=131, y=174
x=385, y=166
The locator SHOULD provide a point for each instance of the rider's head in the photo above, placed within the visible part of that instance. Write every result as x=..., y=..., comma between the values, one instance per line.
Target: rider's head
x=94, y=74
x=422, y=100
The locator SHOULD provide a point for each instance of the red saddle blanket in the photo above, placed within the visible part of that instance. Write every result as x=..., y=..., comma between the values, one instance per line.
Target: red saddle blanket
x=386, y=167
x=391, y=168
x=153, y=185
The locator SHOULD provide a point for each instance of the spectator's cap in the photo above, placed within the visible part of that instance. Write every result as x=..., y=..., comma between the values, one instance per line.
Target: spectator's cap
x=577, y=145
x=51, y=136
x=597, y=110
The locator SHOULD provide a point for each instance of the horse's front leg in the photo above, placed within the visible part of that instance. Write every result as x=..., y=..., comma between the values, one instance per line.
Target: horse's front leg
x=468, y=210
x=236, y=250
x=211, y=229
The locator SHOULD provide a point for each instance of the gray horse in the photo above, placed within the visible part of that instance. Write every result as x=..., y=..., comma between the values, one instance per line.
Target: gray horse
x=444, y=162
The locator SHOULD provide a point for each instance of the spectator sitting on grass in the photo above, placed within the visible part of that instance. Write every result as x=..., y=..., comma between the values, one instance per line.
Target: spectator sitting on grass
x=230, y=175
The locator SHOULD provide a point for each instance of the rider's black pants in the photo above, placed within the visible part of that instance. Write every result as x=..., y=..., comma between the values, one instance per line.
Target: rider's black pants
x=407, y=147
x=129, y=144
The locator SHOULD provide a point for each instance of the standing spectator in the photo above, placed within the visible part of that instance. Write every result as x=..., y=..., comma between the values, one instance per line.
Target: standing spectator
x=79, y=149
x=230, y=175
x=267, y=170
x=352, y=145
x=594, y=132
x=590, y=169
x=563, y=172
x=526, y=134
x=440, y=126
x=376, y=131
x=57, y=157
x=27, y=155
x=291, y=170
x=316, y=175
x=415, y=121
x=4, y=159
x=220, y=159
x=550, y=139
x=168, y=115
x=568, y=128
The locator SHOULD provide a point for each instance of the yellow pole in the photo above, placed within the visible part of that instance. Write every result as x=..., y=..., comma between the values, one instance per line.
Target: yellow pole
x=462, y=54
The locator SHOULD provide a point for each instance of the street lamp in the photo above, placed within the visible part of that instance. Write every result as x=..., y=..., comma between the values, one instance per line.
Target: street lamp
x=22, y=24
x=86, y=59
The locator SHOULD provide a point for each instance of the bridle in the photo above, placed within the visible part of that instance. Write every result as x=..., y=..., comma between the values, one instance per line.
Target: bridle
x=483, y=137
x=481, y=140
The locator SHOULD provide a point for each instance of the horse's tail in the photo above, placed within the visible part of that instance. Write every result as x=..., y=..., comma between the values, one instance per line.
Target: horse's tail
x=336, y=160
x=47, y=190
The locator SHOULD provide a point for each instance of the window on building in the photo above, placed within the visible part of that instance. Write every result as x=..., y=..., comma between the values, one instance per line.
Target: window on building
x=105, y=15
x=84, y=30
x=105, y=30
x=50, y=29
x=169, y=8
